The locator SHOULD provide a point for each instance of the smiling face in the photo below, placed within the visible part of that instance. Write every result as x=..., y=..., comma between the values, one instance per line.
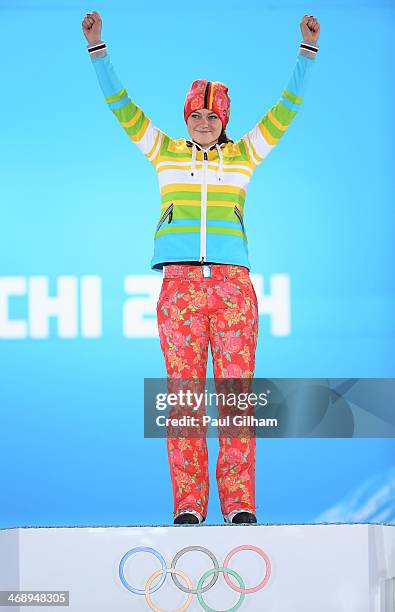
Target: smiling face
x=204, y=127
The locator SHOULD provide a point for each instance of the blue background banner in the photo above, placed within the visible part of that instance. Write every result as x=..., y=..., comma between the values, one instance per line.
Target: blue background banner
x=79, y=205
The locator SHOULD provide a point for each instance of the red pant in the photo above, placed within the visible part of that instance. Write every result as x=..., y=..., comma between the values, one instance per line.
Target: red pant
x=191, y=311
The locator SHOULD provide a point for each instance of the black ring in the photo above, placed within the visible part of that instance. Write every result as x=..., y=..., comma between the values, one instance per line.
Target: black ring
x=213, y=559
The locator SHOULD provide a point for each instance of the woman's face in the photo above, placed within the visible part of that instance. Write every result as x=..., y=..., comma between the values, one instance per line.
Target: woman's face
x=204, y=127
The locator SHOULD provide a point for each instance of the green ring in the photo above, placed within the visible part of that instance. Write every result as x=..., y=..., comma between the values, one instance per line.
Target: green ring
x=206, y=575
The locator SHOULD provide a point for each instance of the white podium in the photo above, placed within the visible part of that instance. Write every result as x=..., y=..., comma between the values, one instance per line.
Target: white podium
x=283, y=568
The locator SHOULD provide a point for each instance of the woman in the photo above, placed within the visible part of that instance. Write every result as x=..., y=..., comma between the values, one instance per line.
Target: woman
x=200, y=244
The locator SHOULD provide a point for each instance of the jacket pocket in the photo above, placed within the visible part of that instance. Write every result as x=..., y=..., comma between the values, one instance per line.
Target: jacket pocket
x=167, y=214
x=240, y=217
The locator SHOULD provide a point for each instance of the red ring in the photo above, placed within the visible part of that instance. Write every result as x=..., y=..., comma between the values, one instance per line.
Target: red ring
x=267, y=574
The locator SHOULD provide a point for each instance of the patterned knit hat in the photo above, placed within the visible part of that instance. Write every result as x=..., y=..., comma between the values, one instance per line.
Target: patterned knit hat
x=212, y=95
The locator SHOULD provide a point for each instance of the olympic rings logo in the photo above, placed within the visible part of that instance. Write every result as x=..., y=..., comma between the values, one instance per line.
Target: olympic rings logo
x=224, y=569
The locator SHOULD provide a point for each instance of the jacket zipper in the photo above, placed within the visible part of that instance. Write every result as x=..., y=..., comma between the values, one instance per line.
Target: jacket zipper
x=203, y=218
x=238, y=214
x=168, y=212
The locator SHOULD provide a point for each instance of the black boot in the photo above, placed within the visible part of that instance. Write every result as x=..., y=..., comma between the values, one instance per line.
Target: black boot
x=244, y=517
x=186, y=517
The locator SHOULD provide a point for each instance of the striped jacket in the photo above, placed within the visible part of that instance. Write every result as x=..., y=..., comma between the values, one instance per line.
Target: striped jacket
x=203, y=191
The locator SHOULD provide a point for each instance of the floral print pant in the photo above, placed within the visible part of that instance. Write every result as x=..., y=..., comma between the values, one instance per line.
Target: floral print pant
x=193, y=311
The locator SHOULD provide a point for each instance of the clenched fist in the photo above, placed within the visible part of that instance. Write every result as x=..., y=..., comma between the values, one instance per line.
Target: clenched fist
x=91, y=27
x=310, y=28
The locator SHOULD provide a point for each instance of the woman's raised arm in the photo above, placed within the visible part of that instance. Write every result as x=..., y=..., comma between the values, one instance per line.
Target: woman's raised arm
x=265, y=135
x=136, y=124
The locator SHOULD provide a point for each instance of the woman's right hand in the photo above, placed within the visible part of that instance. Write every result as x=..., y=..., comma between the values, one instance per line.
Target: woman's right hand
x=91, y=27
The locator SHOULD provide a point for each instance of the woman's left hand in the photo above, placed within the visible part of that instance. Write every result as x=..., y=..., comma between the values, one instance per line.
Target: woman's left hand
x=310, y=28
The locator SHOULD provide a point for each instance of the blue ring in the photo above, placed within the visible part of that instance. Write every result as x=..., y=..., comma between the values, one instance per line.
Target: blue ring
x=133, y=551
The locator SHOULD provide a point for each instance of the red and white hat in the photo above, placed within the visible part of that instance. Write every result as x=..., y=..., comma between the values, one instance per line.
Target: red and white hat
x=212, y=95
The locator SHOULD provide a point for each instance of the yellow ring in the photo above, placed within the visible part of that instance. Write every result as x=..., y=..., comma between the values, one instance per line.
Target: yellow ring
x=172, y=570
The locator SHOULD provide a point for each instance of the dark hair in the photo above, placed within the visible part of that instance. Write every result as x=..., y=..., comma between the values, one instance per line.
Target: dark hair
x=223, y=137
